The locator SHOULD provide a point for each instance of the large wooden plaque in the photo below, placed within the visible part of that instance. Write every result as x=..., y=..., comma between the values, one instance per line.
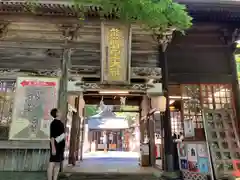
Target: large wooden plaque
x=115, y=44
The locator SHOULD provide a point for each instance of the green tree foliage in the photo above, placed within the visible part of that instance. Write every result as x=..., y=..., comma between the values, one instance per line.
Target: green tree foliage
x=129, y=116
x=151, y=14
x=127, y=108
x=91, y=110
x=156, y=15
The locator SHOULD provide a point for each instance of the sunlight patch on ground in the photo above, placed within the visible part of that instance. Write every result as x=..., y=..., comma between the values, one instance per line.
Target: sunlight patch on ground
x=111, y=154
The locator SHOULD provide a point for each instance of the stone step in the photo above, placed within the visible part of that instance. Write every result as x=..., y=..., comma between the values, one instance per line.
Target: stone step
x=107, y=176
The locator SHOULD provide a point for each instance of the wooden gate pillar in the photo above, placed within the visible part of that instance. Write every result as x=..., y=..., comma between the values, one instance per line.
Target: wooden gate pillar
x=62, y=95
x=77, y=134
x=144, y=131
x=168, y=142
x=73, y=139
x=80, y=142
x=143, y=115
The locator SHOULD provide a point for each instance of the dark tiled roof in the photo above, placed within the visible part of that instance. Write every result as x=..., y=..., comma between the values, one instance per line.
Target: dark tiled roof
x=213, y=10
x=107, y=120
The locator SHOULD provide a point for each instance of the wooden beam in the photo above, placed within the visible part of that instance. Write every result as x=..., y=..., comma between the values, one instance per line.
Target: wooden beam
x=188, y=78
x=41, y=19
x=48, y=45
x=24, y=145
x=131, y=101
x=136, y=72
x=131, y=96
x=31, y=45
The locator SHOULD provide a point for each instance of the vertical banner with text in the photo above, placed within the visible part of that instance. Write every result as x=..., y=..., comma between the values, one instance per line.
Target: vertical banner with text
x=34, y=99
x=116, y=41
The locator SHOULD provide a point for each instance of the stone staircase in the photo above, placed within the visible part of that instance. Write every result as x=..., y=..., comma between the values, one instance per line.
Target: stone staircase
x=108, y=176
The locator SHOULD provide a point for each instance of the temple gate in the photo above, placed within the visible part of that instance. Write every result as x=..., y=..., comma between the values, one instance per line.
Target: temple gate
x=91, y=59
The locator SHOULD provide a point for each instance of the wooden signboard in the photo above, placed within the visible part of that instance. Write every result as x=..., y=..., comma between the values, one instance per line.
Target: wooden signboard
x=34, y=99
x=115, y=46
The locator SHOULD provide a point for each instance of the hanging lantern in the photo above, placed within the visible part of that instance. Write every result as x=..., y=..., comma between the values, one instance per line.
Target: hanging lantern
x=156, y=90
x=81, y=101
x=159, y=103
x=81, y=105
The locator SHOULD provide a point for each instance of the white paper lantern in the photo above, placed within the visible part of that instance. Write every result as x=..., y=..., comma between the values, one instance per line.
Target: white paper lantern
x=81, y=105
x=159, y=103
x=81, y=101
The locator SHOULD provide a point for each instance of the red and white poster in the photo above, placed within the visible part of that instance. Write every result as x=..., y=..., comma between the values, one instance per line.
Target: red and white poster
x=34, y=99
x=188, y=128
x=192, y=152
x=192, y=158
x=202, y=150
x=182, y=150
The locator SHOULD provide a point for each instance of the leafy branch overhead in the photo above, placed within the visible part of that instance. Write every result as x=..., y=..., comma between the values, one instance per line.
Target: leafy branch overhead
x=156, y=15
x=152, y=14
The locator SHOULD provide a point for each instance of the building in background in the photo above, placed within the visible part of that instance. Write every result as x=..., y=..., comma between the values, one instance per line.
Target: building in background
x=106, y=131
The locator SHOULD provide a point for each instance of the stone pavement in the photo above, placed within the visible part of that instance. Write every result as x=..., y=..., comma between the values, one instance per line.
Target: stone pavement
x=76, y=176
x=110, y=162
x=111, y=165
x=96, y=166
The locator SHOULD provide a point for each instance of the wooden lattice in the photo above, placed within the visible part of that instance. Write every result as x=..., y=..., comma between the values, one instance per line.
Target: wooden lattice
x=220, y=131
x=192, y=104
x=216, y=96
x=194, y=176
x=176, y=122
x=199, y=96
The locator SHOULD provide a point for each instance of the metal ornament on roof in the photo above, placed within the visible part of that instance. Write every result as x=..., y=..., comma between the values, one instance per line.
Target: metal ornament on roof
x=101, y=105
x=123, y=100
